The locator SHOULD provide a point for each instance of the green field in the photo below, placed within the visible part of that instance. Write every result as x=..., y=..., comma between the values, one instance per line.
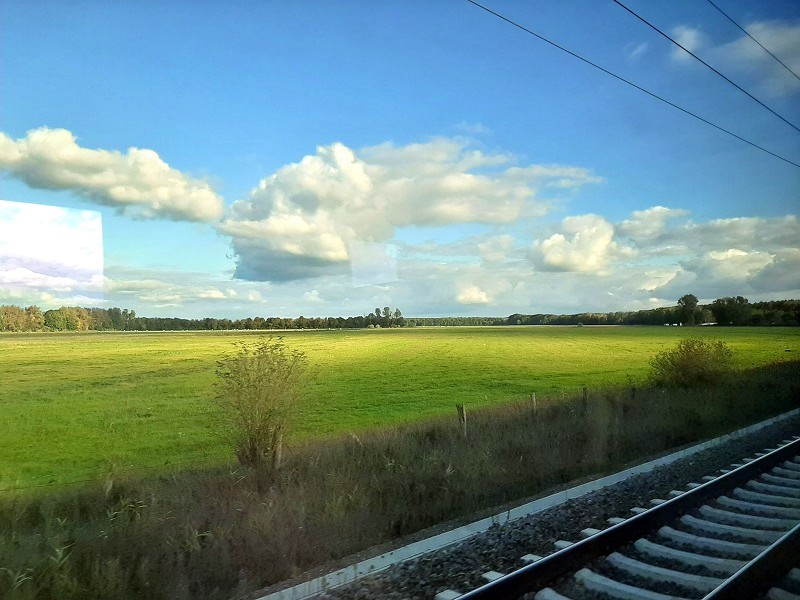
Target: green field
x=75, y=406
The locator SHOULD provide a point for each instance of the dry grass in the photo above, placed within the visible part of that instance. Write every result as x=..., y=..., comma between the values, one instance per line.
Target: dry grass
x=226, y=532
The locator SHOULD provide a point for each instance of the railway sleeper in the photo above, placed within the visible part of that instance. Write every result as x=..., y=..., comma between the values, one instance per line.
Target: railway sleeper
x=743, y=520
x=727, y=566
x=658, y=575
x=700, y=542
x=720, y=529
x=621, y=591
x=755, y=507
x=771, y=499
x=777, y=593
x=777, y=479
x=769, y=488
x=787, y=473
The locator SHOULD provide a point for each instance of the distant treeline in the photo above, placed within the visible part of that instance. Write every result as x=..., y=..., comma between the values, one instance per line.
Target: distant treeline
x=74, y=318
x=724, y=311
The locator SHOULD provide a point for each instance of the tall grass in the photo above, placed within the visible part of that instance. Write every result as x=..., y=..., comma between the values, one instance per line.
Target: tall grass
x=226, y=532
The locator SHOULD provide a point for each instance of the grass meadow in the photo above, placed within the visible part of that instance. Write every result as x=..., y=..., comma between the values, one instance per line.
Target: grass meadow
x=83, y=406
x=376, y=453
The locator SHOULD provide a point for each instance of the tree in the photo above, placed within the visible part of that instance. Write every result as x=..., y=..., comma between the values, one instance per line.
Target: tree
x=692, y=363
x=258, y=387
x=55, y=320
x=688, y=309
x=731, y=311
x=12, y=318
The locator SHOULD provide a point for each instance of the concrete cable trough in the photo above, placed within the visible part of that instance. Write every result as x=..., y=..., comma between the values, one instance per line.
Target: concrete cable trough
x=746, y=537
x=418, y=570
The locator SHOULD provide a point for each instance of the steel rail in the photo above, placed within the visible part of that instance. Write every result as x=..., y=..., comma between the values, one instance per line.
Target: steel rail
x=543, y=572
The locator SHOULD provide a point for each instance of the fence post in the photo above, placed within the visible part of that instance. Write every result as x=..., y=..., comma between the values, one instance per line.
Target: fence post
x=462, y=417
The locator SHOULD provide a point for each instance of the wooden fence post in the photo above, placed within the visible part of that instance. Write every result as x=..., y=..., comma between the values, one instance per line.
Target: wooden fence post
x=462, y=417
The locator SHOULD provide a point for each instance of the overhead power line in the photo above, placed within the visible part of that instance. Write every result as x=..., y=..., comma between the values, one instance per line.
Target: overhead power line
x=630, y=83
x=693, y=55
x=747, y=33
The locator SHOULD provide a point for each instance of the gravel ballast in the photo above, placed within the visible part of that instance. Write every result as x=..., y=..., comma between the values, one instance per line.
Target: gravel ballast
x=459, y=567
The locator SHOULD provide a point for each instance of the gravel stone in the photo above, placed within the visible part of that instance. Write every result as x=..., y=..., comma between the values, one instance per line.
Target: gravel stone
x=459, y=567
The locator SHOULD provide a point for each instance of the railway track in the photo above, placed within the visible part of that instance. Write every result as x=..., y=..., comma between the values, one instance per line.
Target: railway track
x=735, y=535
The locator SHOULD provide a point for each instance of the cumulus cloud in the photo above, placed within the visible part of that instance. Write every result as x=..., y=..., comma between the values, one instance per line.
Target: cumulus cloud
x=138, y=181
x=303, y=219
x=588, y=246
x=645, y=224
x=781, y=274
x=472, y=294
x=726, y=268
x=743, y=255
x=743, y=56
x=743, y=233
x=313, y=297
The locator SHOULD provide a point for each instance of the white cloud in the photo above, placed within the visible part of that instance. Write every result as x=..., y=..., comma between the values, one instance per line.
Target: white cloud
x=301, y=221
x=313, y=297
x=658, y=277
x=210, y=294
x=472, y=294
x=690, y=38
x=138, y=181
x=781, y=274
x=589, y=246
x=743, y=233
x=635, y=51
x=743, y=56
x=735, y=264
x=645, y=224
x=723, y=257
x=496, y=248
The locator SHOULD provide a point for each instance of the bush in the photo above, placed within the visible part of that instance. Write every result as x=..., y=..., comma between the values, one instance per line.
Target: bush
x=693, y=363
x=258, y=387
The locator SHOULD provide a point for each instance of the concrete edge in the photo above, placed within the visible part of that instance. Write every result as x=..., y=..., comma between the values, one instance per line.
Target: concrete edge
x=437, y=542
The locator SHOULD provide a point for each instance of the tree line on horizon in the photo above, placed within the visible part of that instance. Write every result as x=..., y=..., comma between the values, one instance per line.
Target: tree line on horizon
x=735, y=311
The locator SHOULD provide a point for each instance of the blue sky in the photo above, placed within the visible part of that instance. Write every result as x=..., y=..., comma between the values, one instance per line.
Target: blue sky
x=286, y=158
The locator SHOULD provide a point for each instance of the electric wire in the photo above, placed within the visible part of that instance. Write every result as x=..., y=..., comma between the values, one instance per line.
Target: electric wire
x=697, y=58
x=630, y=83
x=747, y=33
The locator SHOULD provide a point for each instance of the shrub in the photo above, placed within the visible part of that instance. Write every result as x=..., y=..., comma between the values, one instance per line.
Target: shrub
x=693, y=363
x=258, y=387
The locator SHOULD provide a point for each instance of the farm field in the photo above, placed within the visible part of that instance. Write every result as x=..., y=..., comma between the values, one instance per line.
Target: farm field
x=78, y=406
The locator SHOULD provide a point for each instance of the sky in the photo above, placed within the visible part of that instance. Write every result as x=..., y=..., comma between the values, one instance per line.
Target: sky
x=252, y=158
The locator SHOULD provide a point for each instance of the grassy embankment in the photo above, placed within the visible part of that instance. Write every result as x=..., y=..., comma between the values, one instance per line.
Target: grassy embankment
x=224, y=531
x=76, y=406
